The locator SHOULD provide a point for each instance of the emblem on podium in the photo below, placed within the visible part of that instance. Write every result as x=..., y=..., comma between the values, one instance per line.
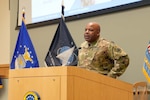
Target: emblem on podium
x=31, y=95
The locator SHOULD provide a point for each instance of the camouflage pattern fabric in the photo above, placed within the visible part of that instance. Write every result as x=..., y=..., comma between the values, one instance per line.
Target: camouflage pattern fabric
x=103, y=57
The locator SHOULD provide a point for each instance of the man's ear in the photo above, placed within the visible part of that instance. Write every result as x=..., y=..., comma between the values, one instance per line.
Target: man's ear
x=98, y=34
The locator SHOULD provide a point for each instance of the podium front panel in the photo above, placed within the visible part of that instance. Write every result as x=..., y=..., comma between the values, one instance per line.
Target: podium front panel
x=48, y=88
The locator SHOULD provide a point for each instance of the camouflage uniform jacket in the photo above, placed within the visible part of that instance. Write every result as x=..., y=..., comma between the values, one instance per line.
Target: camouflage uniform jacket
x=103, y=57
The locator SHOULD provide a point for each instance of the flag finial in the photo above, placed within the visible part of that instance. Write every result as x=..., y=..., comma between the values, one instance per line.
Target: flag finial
x=23, y=14
x=62, y=10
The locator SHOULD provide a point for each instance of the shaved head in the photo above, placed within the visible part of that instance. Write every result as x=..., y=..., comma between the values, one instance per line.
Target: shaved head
x=94, y=25
x=92, y=32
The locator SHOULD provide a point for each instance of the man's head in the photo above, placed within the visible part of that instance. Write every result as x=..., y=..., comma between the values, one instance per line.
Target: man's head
x=92, y=32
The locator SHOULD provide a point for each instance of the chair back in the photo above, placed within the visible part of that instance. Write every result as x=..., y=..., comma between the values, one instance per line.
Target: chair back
x=140, y=91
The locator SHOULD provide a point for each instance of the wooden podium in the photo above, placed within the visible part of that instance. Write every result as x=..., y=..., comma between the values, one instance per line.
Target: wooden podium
x=66, y=83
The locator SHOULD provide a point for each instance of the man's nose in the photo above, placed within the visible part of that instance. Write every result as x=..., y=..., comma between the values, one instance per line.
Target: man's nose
x=87, y=31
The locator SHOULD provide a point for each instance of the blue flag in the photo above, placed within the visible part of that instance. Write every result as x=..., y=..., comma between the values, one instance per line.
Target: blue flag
x=63, y=50
x=146, y=65
x=0, y=82
x=24, y=55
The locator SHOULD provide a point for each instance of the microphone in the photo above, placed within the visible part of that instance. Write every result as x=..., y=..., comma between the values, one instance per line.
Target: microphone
x=77, y=49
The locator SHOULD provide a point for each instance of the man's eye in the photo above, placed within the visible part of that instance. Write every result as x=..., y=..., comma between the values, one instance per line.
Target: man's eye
x=91, y=30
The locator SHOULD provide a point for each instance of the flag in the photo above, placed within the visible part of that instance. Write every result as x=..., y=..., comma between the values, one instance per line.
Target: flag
x=24, y=55
x=63, y=50
x=1, y=83
x=146, y=65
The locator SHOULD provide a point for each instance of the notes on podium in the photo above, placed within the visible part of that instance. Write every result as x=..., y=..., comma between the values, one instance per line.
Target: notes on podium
x=66, y=83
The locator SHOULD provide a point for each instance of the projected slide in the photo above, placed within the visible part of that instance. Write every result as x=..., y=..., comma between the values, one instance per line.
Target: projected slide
x=44, y=10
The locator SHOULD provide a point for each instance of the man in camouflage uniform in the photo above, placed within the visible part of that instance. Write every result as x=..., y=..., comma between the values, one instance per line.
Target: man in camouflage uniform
x=102, y=56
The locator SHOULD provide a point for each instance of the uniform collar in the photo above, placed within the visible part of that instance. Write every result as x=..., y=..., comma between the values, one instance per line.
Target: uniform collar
x=93, y=44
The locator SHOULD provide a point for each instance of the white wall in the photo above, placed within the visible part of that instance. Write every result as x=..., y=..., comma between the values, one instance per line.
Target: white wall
x=4, y=32
x=4, y=42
